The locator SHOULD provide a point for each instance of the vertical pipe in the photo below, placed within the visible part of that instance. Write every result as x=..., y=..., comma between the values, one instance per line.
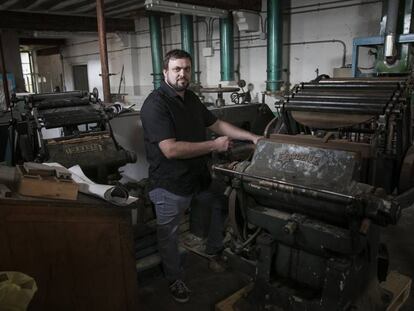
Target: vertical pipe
x=4, y=75
x=226, y=49
x=103, y=52
x=274, y=45
x=196, y=58
x=391, y=31
x=156, y=49
x=187, y=38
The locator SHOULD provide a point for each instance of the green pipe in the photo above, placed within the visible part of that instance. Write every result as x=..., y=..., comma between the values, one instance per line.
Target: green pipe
x=226, y=49
x=274, y=45
x=156, y=49
x=187, y=38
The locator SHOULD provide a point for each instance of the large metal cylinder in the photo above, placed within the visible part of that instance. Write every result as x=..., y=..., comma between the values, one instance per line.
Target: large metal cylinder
x=187, y=38
x=226, y=49
x=274, y=45
x=391, y=31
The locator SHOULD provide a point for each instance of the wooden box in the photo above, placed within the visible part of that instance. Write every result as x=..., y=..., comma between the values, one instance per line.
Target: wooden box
x=46, y=186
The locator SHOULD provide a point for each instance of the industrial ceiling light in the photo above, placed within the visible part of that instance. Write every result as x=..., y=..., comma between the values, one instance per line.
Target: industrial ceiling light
x=183, y=8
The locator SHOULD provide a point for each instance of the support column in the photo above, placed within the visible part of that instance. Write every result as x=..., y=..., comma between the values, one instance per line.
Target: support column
x=226, y=49
x=274, y=45
x=103, y=52
x=4, y=75
x=187, y=38
x=156, y=49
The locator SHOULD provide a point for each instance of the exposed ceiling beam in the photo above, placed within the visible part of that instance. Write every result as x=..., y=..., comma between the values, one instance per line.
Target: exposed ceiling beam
x=63, y=4
x=48, y=51
x=130, y=8
x=254, y=5
x=91, y=7
x=52, y=22
x=7, y=4
x=36, y=4
x=42, y=41
x=21, y=4
x=123, y=4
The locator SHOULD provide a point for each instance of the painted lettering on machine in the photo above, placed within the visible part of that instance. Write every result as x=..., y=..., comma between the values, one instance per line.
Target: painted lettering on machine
x=83, y=148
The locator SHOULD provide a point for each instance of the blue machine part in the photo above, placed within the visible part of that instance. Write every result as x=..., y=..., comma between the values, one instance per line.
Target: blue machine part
x=373, y=41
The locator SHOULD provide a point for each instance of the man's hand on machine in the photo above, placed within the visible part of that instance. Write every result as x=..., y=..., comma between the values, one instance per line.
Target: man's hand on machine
x=222, y=144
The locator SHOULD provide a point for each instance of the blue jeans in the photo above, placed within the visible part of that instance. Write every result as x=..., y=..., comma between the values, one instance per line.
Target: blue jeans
x=170, y=209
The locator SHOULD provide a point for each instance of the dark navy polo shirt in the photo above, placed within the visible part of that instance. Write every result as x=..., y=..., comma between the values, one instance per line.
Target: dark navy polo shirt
x=166, y=115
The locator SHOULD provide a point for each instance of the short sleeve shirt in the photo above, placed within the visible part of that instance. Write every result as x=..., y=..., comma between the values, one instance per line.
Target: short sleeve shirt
x=166, y=115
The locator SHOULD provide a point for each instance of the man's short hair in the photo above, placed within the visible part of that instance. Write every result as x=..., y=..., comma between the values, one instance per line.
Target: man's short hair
x=176, y=54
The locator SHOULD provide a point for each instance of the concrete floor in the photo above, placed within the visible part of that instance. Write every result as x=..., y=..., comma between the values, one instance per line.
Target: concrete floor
x=209, y=288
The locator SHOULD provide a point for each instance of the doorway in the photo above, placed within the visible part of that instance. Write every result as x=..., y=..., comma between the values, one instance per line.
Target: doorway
x=80, y=78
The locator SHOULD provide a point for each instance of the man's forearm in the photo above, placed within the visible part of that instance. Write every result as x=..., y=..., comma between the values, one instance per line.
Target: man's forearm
x=225, y=128
x=186, y=150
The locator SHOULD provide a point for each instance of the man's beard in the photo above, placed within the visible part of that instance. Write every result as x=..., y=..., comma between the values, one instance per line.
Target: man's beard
x=179, y=88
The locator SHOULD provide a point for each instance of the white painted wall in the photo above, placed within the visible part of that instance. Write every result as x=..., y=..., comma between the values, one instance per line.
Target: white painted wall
x=301, y=61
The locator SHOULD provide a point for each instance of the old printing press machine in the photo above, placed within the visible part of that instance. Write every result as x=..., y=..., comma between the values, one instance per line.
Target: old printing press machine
x=85, y=136
x=306, y=211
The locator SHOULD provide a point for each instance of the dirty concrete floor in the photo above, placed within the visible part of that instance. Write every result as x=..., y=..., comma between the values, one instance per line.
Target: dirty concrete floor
x=209, y=288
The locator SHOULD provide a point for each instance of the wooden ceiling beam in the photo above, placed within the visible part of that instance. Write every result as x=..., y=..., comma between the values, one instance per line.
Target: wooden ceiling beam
x=232, y=5
x=42, y=41
x=52, y=22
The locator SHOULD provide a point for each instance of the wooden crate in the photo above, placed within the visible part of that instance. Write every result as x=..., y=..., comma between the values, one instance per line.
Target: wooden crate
x=47, y=186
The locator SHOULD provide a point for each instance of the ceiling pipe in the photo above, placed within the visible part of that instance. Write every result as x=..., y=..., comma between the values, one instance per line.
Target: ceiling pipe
x=103, y=52
x=226, y=48
x=274, y=45
x=156, y=49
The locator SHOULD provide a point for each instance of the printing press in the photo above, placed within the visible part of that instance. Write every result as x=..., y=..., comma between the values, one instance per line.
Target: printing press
x=85, y=136
x=306, y=211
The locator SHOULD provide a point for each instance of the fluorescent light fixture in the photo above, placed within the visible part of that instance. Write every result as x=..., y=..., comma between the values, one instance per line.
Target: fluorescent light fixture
x=183, y=8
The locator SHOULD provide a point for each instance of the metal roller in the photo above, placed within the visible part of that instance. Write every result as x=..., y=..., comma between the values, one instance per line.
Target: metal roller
x=355, y=92
x=61, y=102
x=51, y=96
x=344, y=99
x=350, y=86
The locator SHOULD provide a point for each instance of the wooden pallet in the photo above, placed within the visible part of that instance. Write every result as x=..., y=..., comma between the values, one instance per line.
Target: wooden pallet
x=228, y=303
x=399, y=285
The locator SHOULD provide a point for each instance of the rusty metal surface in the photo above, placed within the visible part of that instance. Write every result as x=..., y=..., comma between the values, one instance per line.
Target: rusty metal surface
x=326, y=120
x=95, y=153
x=364, y=150
x=304, y=165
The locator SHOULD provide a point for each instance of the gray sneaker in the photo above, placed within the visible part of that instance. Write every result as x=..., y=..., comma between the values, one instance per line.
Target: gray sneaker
x=180, y=291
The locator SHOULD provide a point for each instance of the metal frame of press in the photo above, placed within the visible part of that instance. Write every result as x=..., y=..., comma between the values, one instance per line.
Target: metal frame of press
x=373, y=41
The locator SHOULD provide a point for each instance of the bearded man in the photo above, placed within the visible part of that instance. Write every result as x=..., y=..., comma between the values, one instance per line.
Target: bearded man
x=175, y=122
